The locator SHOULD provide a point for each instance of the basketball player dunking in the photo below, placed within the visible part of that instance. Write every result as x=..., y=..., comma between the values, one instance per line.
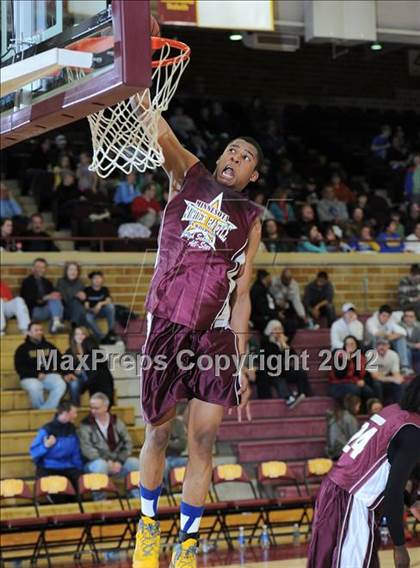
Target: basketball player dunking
x=199, y=301
x=369, y=478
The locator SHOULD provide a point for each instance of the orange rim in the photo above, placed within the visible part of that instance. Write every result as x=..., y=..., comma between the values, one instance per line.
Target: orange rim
x=103, y=43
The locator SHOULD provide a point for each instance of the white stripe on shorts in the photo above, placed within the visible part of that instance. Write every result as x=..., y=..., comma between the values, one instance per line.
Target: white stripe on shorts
x=357, y=545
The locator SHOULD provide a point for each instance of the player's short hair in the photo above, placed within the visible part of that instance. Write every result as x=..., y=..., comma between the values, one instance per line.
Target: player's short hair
x=411, y=398
x=253, y=142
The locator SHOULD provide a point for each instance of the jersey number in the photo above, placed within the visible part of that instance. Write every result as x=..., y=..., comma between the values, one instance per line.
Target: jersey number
x=358, y=442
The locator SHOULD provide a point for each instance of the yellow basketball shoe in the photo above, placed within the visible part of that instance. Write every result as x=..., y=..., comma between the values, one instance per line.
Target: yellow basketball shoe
x=185, y=554
x=146, y=553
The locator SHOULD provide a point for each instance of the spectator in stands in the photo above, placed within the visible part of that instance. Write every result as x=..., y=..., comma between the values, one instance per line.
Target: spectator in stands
x=287, y=296
x=105, y=442
x=272, y=237
x=64, y=165
x=330, y=209
x=98, y=304
x=7, y=241
x=99, y=377
x=73, y=295
x=145, y=208
x=377, y=208
x=64, y=197
x=412, y=218
x=382, y=325
x=411, y=325
x=409, y=290
x=348, y=373
x=9, y=207
x=280, y=207
x=318, y=298
x=388, y=378
x=37, y=239
x=354, y=226
x=43, y=301
x=86, y=179
x=399, y=227
x=177, y=445
x=380, y=143
x=389, y=240
x=309, y=195
x=56, y=448
x=365, y=241
x=412, y=180
x=127, y=190
x=287, y=177
x=312, y=241
x=35, y=377
x=333, y=239
x=347, y=325
x=341, y=191
x=307, y=216
x=182, y=124
x=342, y=424
x=12, y=307
x=260, y=201
x=374, y=406
x=412, y=241
x=79, y=379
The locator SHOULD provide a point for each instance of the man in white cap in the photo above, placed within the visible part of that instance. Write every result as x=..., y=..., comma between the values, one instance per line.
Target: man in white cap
x=348, y=324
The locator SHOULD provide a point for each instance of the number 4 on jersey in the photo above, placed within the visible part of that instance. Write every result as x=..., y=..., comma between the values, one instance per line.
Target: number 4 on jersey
x=358, y=442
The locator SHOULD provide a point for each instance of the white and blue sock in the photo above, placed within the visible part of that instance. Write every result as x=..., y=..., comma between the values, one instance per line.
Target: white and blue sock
x=149, y=501
x=190, y=520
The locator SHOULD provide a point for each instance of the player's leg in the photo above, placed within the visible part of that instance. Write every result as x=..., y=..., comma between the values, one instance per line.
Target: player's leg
x=152, y=467
x=203, y=423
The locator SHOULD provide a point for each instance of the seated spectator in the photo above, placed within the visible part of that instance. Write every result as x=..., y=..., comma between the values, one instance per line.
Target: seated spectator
x=412, y=241
x=7, y=242
x=341, y=191
x=86, y=179
x=356, y=223
x=382, y=325
x=37, y=240
x=307, y=215
x=287, y=177
x=280, y=206
x=99, y=304
x=43, y=301
x=411, y=325
x=332, y=238
x=330, y=209
x=412, y=217
x=105, y=442
x=318, y=298
x=342, y=424
x=365, y=242
x=145, y=208
x=388, y=379
x=399, y=227
x=374, y=406
x=348, y=373
x=260, y=201
x=409, y=290
x=64, y=165
x=9, y=207
x=56, y=448
x=389, y=240
x=273, y=237
x=380, y=143
x=377, y=208
x=126, y=190
x=65, y=195
x=347, y=325
x=99, y=377
x=312, y=241
x=177, y=445
x=73, y=294
x=34, y=376
x=268, y=375
x=309, y=194
x=287, y=296
x=11, y=307
x=412, y=180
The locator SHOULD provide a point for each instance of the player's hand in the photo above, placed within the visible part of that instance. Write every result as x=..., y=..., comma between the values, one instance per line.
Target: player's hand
x=245, y=390
x=401, y=557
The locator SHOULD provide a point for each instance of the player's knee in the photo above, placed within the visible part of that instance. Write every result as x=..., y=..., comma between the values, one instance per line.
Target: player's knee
x=203, y=441
x=158, y=438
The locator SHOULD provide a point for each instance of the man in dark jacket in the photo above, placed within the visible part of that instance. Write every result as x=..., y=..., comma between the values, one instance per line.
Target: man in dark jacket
x=56, y=448
x=44, y=303
x=318, y=298
x=35, y=231
x=33, y=361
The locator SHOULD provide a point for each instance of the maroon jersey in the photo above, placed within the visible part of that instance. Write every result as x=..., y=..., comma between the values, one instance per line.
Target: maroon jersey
x=202, y=240
x=363, y=467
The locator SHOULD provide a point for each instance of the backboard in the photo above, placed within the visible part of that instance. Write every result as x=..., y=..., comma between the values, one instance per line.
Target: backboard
x=62, y=60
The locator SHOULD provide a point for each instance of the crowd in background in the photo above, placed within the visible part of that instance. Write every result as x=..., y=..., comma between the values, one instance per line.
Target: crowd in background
x=310, y=201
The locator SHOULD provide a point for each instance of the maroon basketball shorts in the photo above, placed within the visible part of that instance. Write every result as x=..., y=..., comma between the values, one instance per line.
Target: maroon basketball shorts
x=343, y=531
x=179, y=363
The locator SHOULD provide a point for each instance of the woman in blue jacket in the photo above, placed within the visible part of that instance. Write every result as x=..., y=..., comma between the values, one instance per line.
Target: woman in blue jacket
x=56, y=449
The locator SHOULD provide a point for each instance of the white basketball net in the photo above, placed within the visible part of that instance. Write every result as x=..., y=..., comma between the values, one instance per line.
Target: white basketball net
x=125, y=136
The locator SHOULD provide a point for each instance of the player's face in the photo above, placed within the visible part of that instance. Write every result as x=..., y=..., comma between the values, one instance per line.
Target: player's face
x=236, y=166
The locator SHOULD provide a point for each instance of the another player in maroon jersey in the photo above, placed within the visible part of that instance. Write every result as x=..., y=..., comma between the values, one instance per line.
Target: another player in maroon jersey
x=198, y=301
x=368, y=479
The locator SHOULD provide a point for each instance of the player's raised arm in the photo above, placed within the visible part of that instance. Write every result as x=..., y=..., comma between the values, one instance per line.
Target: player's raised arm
x=178, y=160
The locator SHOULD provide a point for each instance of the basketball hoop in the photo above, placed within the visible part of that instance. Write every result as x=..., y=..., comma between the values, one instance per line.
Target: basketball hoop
x=125, y=136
